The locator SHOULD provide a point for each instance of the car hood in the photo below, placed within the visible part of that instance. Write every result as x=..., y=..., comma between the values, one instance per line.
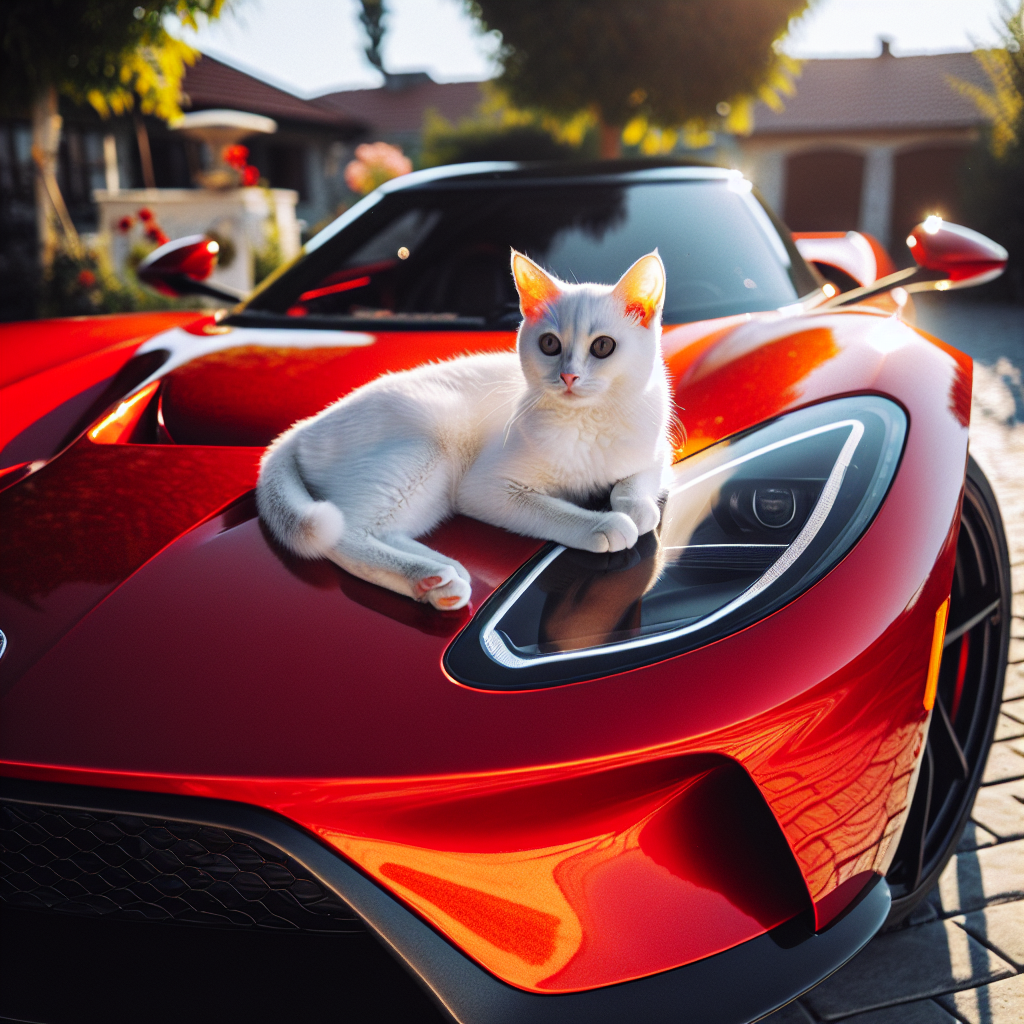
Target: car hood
x=160, y=640
x=137, y=580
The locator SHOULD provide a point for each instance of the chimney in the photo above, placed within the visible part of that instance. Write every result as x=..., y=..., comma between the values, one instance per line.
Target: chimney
x=886, y=44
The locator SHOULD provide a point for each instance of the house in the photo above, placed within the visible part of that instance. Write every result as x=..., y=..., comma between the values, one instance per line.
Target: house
x=307, y=153
x=311, y=141
x=394, y=113
x=873, y=144
x=876, y=143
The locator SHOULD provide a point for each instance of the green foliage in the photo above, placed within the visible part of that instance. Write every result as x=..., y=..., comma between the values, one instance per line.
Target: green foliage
x=667, y=62
x=469, y=142
x=104, y=52
x=993, y=196
x=1004, y=105
x=227, y=250
x=81, y=282
x=268, y=256
x=499, y=131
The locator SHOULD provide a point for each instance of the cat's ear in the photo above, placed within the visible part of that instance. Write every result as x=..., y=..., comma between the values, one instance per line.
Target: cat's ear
x=641, y=289
x=536, y=289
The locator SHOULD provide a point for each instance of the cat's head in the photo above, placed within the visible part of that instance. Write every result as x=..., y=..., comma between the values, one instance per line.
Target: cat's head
x=582, y=343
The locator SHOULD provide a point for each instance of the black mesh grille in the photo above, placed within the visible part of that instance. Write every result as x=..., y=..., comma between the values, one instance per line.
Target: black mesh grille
x=119, y=865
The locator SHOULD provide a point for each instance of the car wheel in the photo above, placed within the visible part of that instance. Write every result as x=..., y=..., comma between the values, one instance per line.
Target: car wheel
x=966, y=705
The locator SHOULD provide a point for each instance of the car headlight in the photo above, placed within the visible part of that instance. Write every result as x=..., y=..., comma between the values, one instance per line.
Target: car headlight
x=748, y=524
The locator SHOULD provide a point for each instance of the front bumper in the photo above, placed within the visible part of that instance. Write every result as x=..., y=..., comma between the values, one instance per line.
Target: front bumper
x=733, y=987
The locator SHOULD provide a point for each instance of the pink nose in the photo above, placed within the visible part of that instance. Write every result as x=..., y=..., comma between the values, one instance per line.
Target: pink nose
x=570, y=379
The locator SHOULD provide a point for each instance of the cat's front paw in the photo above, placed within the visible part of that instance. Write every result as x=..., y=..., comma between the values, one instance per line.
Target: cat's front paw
x=446, y=596
x=644, y=512
x=615, y=531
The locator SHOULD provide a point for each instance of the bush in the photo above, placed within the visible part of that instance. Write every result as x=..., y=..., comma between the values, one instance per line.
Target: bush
x=994, y=169
x=994, y=205
x=500, y=131
x=484, y=142
x=81, y=282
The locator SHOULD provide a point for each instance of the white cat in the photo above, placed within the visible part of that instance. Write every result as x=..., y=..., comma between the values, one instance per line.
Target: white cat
x=514, y=439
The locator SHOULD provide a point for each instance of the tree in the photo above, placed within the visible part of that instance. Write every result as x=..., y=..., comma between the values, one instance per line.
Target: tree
x=498, y=131
x=372, y=17
x=994, y=199
x=668, y=63
x=110, y=54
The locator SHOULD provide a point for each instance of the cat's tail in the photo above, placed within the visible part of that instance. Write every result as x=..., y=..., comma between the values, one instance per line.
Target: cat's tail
x=302, y=524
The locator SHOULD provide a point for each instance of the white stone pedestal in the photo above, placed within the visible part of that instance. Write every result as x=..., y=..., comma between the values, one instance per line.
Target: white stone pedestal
x=239, y=214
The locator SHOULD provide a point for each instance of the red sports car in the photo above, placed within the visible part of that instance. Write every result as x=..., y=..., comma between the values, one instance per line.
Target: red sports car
x=685, y=781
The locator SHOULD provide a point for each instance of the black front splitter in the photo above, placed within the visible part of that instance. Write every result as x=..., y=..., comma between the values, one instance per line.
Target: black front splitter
x=735, y=987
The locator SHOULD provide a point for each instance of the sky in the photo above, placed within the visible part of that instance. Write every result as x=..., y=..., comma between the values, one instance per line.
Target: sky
x=315, y=46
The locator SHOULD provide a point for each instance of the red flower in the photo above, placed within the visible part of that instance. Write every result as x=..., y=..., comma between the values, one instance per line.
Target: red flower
x=235, y=156
x=145, y=215
x=124, y=225
x=86, y=278
x=154, y=234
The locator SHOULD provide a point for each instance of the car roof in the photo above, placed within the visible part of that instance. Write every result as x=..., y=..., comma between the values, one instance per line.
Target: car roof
x=512, y=173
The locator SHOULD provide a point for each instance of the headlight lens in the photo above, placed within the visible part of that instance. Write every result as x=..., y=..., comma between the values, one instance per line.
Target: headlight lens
x=748, y=525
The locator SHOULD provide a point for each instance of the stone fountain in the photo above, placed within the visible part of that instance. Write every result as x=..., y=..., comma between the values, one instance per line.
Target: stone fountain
x=239, y=214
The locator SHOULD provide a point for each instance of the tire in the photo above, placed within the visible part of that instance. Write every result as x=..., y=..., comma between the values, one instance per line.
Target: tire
x=967, y=703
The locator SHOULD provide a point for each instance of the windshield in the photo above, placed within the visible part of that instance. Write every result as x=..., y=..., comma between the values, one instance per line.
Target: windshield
x=440, y=255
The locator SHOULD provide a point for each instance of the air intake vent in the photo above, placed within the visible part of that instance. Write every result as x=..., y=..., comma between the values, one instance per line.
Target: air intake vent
x=145, y=869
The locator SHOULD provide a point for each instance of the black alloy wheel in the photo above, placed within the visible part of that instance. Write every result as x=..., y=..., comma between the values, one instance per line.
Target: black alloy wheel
x=967, y=702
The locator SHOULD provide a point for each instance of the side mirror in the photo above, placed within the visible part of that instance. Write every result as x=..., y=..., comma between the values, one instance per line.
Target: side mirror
x=947, y=256
x=182, y=266
x=847, y=259
x=964, y=256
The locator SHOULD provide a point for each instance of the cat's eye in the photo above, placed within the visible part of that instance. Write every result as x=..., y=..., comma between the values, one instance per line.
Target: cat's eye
x=603, y=347
x=550, y=345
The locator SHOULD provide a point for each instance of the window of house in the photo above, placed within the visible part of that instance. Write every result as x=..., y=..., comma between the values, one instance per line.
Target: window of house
x=15, y=164
x=286, y=168
x=81, y=167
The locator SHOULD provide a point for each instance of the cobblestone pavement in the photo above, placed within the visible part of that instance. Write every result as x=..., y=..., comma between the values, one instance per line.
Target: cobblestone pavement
x=962, y=956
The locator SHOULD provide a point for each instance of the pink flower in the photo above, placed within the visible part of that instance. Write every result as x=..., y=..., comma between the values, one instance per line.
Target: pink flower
x=375, y=163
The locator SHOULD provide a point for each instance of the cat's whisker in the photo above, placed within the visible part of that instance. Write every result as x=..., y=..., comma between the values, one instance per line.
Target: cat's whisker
x=508, y=387
x=489, y=414
x=529, y=405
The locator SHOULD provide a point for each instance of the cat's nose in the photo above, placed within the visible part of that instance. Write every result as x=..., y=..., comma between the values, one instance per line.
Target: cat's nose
x=569, y=379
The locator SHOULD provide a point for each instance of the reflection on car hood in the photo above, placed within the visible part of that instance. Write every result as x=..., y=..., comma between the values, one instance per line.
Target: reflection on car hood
x=109, y=532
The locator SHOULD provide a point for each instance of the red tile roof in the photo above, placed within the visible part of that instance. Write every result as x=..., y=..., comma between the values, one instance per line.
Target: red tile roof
x=209, y=84
x=882, y=93
x=402, y=110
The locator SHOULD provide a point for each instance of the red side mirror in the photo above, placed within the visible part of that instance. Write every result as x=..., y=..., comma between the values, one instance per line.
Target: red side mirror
x=180, y=268
x=192, y=257
x=965, y=256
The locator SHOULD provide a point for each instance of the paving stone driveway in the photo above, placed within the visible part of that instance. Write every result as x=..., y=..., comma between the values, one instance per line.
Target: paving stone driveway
x=961, y=958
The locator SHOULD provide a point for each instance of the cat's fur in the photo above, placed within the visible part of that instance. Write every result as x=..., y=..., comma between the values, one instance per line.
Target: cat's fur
x=507, y=438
